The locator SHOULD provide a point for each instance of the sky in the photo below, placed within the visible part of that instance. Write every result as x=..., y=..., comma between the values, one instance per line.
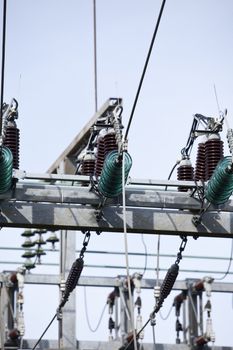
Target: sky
x=50, y=71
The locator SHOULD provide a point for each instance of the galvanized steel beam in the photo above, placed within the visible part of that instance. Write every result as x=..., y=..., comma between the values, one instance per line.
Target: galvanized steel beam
x=83, y=217
x=100, y=281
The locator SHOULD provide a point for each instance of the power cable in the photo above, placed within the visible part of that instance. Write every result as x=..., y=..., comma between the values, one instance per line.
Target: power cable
x=38, y=341
x=87, y=316
x=138, y=333
x=164, y=318
x=146, y=254
x=126, y=252
x=144, y=69
x=3, y=60
x=157, y=265
x=166, y=286
x=95, y=54
x=229, y=264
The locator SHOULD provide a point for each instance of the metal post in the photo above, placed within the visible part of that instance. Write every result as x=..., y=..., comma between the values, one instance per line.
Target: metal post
x=125, y=317
x=201, y=313
x=192, y=316
x=67, y=324
x=184, y=322
x=116, y=318
x=2, y=326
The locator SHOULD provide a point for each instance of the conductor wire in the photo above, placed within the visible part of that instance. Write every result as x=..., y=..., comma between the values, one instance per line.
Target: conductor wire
x=92, y=329
x=44, y=331
x=3, y=60
x=126, y=252
x=145, y=68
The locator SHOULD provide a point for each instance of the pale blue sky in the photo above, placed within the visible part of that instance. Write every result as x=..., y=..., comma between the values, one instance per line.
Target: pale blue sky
x=49, y=69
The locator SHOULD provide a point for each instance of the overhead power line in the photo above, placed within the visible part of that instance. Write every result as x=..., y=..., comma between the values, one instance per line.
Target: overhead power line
x=95, y=55
x=3, y=59
x=145, y=68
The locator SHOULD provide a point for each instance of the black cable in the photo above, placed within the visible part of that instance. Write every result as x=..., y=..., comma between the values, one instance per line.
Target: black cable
x=44, y=332
x=138, y=333
x=3, y=60
x=229, y=264
x=144, y=69
x=171, y=172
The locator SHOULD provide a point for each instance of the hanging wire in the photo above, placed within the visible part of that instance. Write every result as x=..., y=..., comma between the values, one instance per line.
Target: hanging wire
x=126, y=251
x=146, y=254
x=95, y=55
x=144, y=69
x=157, y=265
x=229, y=264
x=87, y=315
x=3, y=60
x=164, y=318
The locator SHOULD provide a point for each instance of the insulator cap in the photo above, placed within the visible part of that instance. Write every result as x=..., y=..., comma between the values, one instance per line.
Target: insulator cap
x=40, y=252
x=11, y=141
x=185, y=172
x=213, y=154
x=201, y=340
x=200, y=168
x=29, y=264
x=52, y=238
x=199, y=286
x=88, y=164
x=100, y=155
x=27, y=233
x=156, y=292
x=28, y=243
x=28, y=254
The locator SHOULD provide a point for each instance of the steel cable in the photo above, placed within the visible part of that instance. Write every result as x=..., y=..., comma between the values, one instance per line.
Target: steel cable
x=126, y=250
x=145, y=67
x=38, y=341
x=229, y=264
x=93, y=330
x=3, y=59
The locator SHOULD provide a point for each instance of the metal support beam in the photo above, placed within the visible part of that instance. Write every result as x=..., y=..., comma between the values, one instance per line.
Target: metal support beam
x=100, y=281
x=83, y=217
x=67, y=324
x=114, y=345
x=69, y=155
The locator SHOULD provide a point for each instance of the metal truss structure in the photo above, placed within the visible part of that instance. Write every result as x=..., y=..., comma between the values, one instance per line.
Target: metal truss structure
x=62, y=200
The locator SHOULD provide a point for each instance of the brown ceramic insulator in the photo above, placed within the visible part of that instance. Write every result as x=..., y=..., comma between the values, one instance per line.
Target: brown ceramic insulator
x=199, y=286
x=88, y=167
x=99, y=156
x=200, y=173
x=110, y=143
x=179, y=298
x=12, y=142
x=14, y=334
x=214, y=153
x=201, y=340
x=185, y=173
